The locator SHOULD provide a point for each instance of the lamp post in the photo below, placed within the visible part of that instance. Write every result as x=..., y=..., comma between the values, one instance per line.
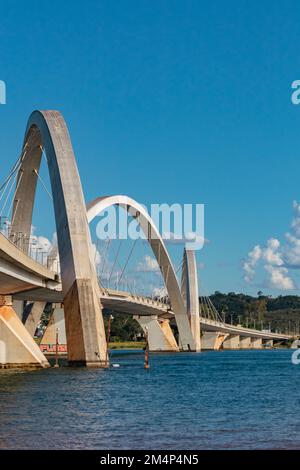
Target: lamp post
x=146, y=363
x=110, y=318
x=56, y=349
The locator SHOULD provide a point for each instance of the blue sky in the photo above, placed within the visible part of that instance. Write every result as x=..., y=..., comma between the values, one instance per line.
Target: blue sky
x=173, y=101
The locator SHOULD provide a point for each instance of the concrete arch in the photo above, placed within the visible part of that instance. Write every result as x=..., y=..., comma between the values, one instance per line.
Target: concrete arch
x=190, y=293
x=160, y=252
x=47, y=130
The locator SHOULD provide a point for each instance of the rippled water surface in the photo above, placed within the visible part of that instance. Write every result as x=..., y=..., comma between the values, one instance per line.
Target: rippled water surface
x=212, y=400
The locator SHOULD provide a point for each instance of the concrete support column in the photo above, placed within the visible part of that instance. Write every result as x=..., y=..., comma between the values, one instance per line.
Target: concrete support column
x=57, y=322
x=190, y=294
x=232, y=342
x=295, y=344
x=160, y=335
x=245, y=342
x=17, y=347
x=31, y=323
x=268, y=343
x=256, y=343
x=18, y=306
x=220, y=340
x=212, y=340
x=47, y=130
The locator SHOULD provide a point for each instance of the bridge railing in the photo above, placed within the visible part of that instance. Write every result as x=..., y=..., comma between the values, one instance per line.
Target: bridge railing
x=154, y=302
x=236, y=328
x=30, y=247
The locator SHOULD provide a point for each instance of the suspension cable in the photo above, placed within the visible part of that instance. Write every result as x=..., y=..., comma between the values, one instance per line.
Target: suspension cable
x=206, y=307
x=8, y=194
x=105, y=256
x=203, y=307
x=14, y=168
x=130, y=288
x=218, y=316
x=12, y=201
x=179, y=266
x=127, y=261
x=45, y=187
x=211, y=309
x=115, y=260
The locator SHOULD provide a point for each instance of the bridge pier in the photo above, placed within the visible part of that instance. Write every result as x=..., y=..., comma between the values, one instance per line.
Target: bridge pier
x=18, y=306
x=190, y=294
x=268, y=343
x=256, y=343
x=57, y=322
x=160, y=335
x=46, y=130
x=17, y=347
x=31, y=323
x=245, y=342
x=212, y=340
x=232, y=342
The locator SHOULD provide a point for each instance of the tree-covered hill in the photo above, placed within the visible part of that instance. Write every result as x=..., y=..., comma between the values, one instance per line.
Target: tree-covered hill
x=281, y=313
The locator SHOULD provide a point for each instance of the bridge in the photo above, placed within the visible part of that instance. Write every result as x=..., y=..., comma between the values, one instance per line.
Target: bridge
x=73, y=281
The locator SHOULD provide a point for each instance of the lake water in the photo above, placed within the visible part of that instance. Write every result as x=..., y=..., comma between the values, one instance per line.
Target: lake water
x=211, y=400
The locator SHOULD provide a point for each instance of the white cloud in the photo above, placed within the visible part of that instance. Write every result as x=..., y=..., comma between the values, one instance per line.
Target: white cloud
x=149, y=264
x=279, y=278
x=291, y=250
x=44, y=250
x=42, y=243
x=159, y=292
x=277, y=258
x=248, y=266
x=271, y=253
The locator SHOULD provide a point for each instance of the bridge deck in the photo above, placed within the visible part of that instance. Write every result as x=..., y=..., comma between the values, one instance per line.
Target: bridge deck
x=19, y=272
x=211, y=325
x=29, y=280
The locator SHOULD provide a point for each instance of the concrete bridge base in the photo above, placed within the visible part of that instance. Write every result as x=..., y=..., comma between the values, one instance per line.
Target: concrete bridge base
x=34, y=317
x=212, y=340
x=56, y=324
x=190, y=294
x=18, y=306
x=17, y=347
x=268, y=343
x=160, y=335
x=232, y=342
x=245, y=342
x=256, y=343
x=215, y=340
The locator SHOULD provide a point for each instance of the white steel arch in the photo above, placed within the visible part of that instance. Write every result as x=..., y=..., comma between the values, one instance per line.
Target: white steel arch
x=156, y=242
